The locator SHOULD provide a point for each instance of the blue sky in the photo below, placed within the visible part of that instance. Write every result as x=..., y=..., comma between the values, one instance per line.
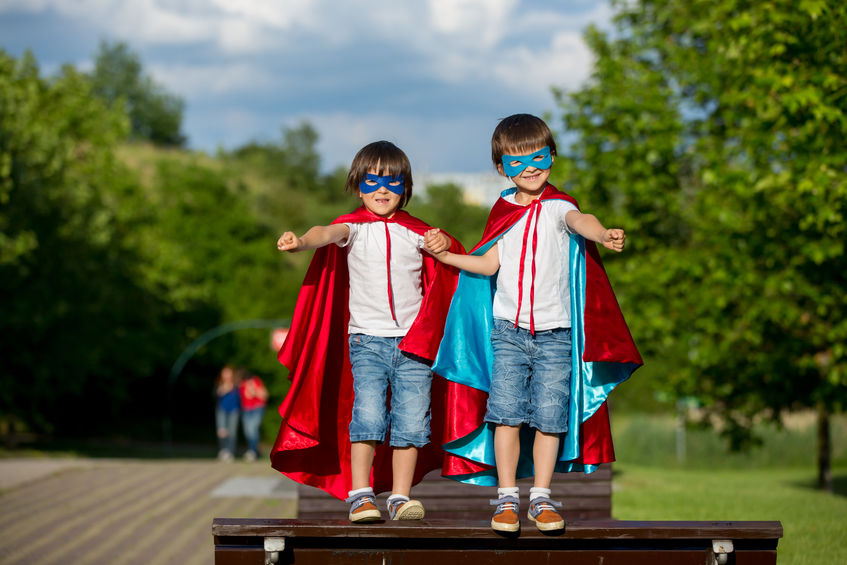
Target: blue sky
x=433, y=76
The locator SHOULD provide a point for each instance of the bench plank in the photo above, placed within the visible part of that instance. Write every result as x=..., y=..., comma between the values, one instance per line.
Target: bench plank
x=428, y=529
x=241, y=541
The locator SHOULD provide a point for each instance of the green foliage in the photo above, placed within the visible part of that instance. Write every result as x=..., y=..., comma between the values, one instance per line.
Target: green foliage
x=715, y=134
x=72, y=313
x=115, y=256
x=284, y=182
x=118, y=78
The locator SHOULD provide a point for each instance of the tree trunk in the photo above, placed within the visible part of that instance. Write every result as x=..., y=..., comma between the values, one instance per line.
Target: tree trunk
x=824, y=449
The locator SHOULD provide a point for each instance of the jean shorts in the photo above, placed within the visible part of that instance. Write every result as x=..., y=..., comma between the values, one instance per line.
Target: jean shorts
x=530, y=380
x=378, y=363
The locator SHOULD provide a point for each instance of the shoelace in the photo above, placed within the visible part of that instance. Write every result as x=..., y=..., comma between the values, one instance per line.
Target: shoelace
x=540, y=505
x=505, y=503
x=359, y=500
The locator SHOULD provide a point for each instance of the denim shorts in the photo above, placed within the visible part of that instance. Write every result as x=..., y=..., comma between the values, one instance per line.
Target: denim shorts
x=530, y=380
x=378, y=363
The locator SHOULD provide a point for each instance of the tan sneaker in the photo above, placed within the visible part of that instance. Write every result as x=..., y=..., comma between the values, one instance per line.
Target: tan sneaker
x=506, y=516
x=363, y=509
x=406, y=510
x=543, y=513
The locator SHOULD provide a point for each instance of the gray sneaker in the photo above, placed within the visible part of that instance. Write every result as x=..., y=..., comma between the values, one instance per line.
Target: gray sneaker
x=405, y=510
x=542, y=511
x=363, y=508
x=506, y=516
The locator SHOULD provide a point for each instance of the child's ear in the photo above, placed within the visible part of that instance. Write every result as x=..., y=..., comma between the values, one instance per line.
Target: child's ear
x=500, y=169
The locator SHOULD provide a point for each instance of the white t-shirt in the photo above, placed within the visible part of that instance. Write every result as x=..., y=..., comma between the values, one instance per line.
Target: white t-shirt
x=370, y=311
x=552, y=306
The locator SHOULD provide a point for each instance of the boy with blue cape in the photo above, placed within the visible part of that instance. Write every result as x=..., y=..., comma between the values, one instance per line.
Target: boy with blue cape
x=534, y=337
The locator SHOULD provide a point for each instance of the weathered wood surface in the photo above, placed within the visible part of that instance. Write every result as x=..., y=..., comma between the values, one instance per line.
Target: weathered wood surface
x=584, y=497
x=451, y=541
x=429, y=529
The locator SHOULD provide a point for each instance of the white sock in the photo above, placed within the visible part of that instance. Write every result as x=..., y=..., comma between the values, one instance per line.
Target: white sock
x=366, y=490
x=536, y=492
x=394, y=497
x=508, y=491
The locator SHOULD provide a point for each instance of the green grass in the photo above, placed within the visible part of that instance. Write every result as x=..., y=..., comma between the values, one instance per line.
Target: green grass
x=773, y=482
x=651, y=439
x=814, y=523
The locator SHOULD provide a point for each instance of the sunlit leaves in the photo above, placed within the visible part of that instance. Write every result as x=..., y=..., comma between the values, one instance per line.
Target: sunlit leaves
x=715, y=133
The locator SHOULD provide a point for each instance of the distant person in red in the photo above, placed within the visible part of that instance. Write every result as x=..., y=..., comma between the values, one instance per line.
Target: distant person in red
x=227, y=410
x=254, y=397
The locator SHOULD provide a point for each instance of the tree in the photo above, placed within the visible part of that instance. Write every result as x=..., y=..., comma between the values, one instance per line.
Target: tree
x=715, y=132
x=155, y=114
x=73, y=315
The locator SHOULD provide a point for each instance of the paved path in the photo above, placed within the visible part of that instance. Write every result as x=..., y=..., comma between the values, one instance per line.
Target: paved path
x=93, y=511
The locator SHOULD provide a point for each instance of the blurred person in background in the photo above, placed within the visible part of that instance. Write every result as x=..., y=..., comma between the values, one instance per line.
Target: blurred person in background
x=227, y=410
x=254, y=397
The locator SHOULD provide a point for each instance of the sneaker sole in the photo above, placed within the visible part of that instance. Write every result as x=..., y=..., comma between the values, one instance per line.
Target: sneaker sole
x=503, y=527
x=365, y=516
x=547, y=526
x=412, y=510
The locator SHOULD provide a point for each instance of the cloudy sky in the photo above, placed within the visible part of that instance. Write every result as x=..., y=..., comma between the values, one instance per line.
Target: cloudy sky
x=433, y=76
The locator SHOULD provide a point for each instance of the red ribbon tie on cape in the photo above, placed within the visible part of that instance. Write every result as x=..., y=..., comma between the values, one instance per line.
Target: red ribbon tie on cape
x=388, y=271
x=534, y=212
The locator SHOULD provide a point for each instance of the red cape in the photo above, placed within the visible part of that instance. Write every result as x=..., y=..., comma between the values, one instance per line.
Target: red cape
x=607, y=339
x=313, y=443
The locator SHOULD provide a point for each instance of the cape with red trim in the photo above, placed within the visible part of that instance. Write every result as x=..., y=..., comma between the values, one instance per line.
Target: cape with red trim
x=313, y=443
x=604, y=355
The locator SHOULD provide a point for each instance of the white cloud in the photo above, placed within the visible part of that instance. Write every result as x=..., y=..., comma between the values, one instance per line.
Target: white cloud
x=475, y=22
x=272, y=13
x=432, y=144
x=26, y=6
x=565, y=62
x=244, y=64
x=212, y=78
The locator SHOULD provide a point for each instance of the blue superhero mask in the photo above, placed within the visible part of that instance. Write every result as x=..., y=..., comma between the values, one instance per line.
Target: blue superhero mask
x=524, y=161
x=385, y=181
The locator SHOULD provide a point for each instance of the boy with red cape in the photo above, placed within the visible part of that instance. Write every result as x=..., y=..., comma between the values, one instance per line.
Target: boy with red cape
x=370, y=315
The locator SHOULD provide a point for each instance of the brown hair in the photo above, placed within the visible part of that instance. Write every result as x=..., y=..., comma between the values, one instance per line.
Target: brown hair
x=520, y=133
x=391, y=161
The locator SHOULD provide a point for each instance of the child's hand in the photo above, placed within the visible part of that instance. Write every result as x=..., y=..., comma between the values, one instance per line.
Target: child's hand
x=436, y=242
x=614, y=239
x=288, y=242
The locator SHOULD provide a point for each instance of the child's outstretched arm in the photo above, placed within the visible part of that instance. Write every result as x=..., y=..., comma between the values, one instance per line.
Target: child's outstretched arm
x=317, y=236
x=590, y=227
x=485, y=264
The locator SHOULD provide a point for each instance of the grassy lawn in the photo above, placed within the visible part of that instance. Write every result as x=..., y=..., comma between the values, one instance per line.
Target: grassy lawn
x=773, y=482
x=814, y=523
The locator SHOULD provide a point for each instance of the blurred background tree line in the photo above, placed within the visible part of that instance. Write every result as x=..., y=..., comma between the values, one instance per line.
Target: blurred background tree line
x=714, y=132
x=118, y=249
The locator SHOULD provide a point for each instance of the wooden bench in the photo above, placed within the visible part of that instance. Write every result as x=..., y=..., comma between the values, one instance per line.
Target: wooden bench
x=444, y=542
x=457, y=530
x=584, y=497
